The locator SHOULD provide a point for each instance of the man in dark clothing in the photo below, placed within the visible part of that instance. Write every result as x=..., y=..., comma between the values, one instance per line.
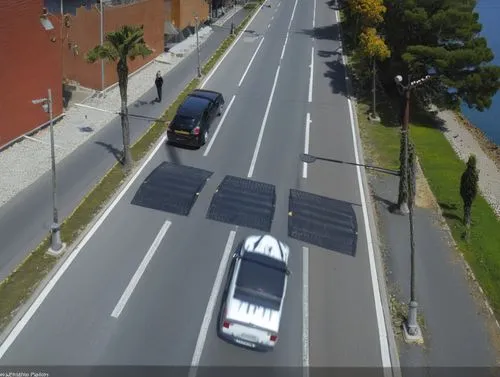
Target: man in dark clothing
x=159, y=84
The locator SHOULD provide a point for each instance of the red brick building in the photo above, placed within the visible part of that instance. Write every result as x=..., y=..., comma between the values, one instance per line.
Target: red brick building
x=30, y=63
x=34, y=59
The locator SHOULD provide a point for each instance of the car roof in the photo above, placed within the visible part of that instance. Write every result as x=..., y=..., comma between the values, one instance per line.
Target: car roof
x=192, y=106
x=267, y=245
x=204, y=93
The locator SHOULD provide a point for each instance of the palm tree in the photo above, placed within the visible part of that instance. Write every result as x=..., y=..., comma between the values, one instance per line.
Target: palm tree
x=119, y=46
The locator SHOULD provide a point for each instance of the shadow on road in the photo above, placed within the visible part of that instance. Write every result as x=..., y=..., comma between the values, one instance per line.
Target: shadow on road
x=117, y=153
x=331, y=32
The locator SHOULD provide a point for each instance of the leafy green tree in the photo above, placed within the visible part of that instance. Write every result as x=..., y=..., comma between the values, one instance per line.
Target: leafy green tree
x=119, y=46
x=373, y=46
x=442, y=36
x=468, y=190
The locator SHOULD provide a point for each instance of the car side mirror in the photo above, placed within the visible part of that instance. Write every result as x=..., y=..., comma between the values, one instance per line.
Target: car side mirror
x=288, y=272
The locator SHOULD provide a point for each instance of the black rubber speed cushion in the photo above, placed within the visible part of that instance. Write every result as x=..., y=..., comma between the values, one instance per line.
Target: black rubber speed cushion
x=171, y=188
x=243, y=202
x=322, y=221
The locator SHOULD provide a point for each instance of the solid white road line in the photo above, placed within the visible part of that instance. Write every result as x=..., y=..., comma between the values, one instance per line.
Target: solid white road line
x=263, y=125
x=140, y=270
x=284, y=46
x=311, y=76
x=209, y=312
x=306, y=144
x=230, y=48
x=219, y=126
x=96, y=108
x=42, y=142
x=383, y=337
x=50, y=285
x=305, y=310
x=293, y=13
x=251, y=61
x=314, y=14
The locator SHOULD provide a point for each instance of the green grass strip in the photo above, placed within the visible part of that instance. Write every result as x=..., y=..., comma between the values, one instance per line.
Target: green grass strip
x=23, y=281
x=443, y=169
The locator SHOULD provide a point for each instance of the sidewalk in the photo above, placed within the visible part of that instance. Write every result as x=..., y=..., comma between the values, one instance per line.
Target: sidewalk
x=458, y=329
x=87, y=140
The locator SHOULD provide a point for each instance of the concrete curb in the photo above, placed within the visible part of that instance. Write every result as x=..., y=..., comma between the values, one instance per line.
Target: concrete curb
x=393, y=349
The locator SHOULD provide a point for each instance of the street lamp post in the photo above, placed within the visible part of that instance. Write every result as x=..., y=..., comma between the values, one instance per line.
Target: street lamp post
x=197, y=45
x=412, y=330
x=56, y=245
x=232, y=18
x=102, y=42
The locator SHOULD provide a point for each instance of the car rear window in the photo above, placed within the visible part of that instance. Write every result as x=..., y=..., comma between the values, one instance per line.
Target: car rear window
x=260, y=282
x=184, y=123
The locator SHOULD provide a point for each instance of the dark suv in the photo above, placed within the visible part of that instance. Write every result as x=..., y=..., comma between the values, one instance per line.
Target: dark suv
x=191, y=123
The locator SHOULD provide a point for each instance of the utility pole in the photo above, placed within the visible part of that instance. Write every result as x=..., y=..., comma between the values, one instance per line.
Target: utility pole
x=56, y=245
x=102, y=42
x=412, y=332
x=197, y=45
x=232, y=18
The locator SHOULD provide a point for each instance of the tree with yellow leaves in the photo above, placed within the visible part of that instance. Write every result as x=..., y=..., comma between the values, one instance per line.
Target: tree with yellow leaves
x=372, y=46
x=367, y=12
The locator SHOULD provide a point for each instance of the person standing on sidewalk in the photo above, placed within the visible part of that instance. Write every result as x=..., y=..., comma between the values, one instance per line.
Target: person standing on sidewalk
x=159, y=84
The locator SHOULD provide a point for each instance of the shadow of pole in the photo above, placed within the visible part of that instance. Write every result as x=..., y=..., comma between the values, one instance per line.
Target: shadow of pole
x=172, y=154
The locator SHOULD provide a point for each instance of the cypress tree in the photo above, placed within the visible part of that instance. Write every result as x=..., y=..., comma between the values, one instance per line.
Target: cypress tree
x=468, y=190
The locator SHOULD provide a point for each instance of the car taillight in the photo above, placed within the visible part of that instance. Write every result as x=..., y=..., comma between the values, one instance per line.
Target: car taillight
x=226, y=324
x=196, y=131
x=274, y=338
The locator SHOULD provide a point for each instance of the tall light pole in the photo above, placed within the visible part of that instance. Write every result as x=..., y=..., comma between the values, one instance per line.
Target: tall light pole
x=232, y=18
x=56, y=245
x=197, y=45
x=412, y=332
x=412, y=329
x=102, y=42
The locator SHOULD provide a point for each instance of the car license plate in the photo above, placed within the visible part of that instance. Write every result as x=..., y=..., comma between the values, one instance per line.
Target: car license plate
x=249, y=337
x=182, y=132
x=248, y=344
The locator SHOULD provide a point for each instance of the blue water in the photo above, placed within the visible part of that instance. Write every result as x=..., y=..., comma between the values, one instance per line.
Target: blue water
x=489, y=120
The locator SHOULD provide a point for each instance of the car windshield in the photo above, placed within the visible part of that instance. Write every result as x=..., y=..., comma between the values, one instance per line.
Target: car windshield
x=181, y=122
x=261, y=281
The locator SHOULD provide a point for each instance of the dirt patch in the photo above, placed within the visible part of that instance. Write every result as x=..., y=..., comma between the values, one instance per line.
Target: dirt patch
x=424, y=197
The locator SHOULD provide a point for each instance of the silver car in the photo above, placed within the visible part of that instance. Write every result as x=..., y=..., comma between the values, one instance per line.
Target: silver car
x=256, y=288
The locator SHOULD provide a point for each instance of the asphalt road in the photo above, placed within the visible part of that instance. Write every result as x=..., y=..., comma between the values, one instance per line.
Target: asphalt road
x=330, y=317
x=31, y=210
